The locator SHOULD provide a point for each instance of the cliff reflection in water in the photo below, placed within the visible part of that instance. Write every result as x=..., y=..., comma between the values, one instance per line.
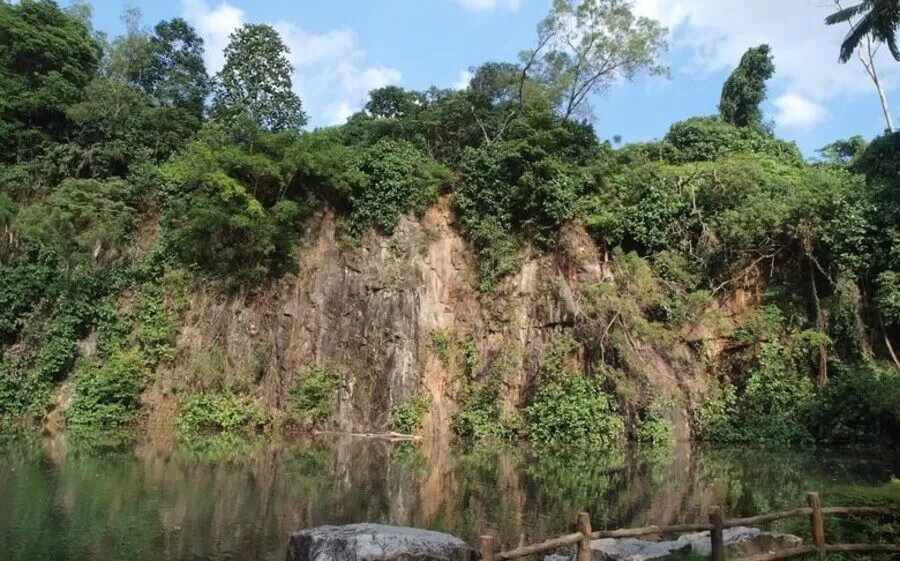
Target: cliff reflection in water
x=237, y=500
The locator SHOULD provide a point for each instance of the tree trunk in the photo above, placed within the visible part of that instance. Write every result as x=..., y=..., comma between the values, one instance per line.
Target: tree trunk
x=868, y=63
x=884, y=103
x=890, y=348
x=887, y=341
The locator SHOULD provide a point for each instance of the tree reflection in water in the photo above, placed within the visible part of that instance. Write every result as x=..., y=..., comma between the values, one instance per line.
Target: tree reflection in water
x=231, y=499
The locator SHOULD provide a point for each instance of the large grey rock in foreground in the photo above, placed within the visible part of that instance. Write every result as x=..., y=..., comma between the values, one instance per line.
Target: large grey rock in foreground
x=740, y=541
x=610, y=549
x=375, y=542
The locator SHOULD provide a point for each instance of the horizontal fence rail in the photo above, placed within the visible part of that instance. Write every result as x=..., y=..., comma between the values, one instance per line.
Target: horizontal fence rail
x=815, y=512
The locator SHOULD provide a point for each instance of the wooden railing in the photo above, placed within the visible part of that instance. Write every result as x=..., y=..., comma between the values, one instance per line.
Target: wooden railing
x=716, y=526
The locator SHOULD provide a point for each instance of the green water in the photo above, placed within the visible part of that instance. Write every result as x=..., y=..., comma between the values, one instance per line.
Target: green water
x=240, y=501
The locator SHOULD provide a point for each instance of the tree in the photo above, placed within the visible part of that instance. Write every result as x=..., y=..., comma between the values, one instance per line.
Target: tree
x=177, y=75
x=745, y=88
x=878, y=18
x=391, y=102
x=843, y=151
x=495, y=84
x=866, y=49
x=130, y=54
x=256, y=81
x=46, y=57
x=591, y=44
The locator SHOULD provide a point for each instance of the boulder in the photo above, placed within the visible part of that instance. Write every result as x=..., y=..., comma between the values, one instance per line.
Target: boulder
x=740, y=541
x=611, y=549
x=375, y=542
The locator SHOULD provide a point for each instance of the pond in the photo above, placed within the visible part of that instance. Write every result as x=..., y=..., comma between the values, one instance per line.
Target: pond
x=231, y=499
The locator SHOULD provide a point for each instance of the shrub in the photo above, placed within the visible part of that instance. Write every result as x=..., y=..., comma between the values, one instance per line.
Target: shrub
x=654, y=427
x=496, y=252
x=158, y=325
x=401, y=180
x=206, y=413
x=311, y=398
x=770, y=406
x=480, y=415
x=858, y=403
x=701, y=139
x=569, y=406
x=84, y=219
x=107, y=392
x=441, y=344
x=480, y=412
x=406, y=417
x=574, y=409
x=21, y=286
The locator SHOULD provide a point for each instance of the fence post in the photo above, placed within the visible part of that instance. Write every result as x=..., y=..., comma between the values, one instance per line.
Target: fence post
x=584, y=546
x=487, y=548
x=818, y=524
x=716, y=537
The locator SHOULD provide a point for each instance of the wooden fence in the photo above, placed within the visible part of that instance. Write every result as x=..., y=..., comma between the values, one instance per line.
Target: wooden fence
x=716, y=525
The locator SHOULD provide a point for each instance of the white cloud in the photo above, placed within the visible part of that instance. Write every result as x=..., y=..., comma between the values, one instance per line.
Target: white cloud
x=465, y=78
x=214, y=25
x=490, y=5
x=715, y=33
x=331, y=74
x=338, y=115
x=795, y=110
x=310, y=48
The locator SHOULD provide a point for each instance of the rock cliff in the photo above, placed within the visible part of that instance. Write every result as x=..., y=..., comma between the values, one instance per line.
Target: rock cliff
x=371, y=309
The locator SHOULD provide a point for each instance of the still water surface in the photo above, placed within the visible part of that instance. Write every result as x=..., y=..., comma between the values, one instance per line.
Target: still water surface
x=240, y=501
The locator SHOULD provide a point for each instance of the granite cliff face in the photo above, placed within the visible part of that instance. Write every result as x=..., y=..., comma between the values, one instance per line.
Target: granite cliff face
x=370, y=310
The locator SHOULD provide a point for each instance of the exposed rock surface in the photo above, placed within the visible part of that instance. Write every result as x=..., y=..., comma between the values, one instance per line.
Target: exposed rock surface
x=740, y=542
x=370, y=311
x=375, y=542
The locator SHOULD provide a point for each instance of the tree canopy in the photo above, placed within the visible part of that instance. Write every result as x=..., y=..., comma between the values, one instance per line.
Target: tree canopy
x=878, y=18
x=256, y=81
x=745, y=88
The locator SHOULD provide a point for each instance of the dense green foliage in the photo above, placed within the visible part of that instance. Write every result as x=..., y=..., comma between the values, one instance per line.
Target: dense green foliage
x=202, y=414
x=571, y=408
x=108, y=391
x=406, y=418
x=120, y=190
x=745, y=89
x=311, y=398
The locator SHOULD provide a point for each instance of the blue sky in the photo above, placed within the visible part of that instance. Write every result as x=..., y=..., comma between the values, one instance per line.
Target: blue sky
x=343, y=48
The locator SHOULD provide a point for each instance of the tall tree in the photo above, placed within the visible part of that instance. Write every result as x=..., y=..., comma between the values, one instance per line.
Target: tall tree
x=391, y=102
x=745, y=88
x=46, y=57
x=177, y=75
x=878, y=18
x=129, y=54
x=866, y=49
x=256, y=81
x=585, y=46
